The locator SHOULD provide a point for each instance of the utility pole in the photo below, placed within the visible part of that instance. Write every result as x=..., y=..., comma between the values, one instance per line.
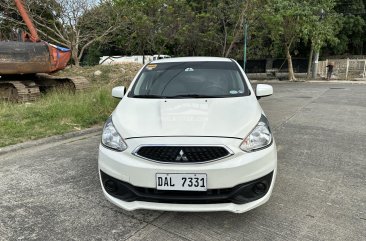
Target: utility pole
x=317, y=50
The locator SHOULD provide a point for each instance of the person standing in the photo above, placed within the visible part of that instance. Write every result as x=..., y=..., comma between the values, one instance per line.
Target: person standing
x=330, y=67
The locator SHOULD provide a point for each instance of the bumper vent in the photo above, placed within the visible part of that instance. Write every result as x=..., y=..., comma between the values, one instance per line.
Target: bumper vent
x=182, y=154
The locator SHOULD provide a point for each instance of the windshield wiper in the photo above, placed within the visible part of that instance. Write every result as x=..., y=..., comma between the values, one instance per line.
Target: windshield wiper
x=148, y=96
x=191, y=96
x=174, y=96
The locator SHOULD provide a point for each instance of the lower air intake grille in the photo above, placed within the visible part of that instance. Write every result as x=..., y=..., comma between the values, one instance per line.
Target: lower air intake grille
x=182, y=154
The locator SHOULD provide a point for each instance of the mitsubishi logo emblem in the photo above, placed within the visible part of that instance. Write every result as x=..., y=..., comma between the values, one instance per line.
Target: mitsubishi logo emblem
x=181, y=156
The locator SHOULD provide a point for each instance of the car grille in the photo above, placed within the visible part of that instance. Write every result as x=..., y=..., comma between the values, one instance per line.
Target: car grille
x=182, y=154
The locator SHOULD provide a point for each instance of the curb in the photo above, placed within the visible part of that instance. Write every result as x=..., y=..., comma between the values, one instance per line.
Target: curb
x=338, y=81
x=28, y=144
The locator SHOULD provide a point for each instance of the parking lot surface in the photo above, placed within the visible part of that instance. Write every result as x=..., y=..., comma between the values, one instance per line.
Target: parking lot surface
x=52, y=191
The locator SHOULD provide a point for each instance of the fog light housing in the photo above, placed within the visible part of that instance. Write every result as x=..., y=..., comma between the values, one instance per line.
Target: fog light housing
x=110, y=186
x=260, y=188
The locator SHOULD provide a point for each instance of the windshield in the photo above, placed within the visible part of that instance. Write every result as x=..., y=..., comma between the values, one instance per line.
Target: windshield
x=190, y=80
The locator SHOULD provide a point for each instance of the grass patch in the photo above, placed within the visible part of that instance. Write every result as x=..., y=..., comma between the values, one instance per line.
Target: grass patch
x=55, y=113
x=59, y=112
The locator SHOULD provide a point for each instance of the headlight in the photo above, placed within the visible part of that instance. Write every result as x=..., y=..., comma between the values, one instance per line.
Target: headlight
x=111, y=138
x=259, y=138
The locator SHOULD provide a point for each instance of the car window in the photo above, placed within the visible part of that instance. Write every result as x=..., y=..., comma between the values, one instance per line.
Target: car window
x=190, y=79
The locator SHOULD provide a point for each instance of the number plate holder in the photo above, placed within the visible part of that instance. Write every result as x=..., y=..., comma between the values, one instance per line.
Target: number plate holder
x=181, y=181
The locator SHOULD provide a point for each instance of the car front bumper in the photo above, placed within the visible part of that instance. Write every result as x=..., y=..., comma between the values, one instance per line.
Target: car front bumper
x=225, y=177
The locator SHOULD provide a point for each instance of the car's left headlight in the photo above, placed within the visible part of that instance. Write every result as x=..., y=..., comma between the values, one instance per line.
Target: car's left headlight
x=111, y=138
x=259, y=138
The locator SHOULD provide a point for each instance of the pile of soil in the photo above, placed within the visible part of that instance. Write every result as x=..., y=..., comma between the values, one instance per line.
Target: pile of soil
x=115, y=75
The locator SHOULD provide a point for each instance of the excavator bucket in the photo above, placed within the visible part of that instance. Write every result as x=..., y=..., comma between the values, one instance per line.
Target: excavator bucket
x=31, y=58
x=24, y=58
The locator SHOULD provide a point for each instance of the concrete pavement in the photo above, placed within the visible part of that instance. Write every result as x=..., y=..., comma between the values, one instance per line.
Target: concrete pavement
x=52, y=191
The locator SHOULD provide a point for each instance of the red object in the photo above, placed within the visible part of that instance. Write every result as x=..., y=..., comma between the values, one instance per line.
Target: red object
x=59, y=58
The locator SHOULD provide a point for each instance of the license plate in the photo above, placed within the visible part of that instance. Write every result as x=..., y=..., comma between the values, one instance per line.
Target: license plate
x=181, y=181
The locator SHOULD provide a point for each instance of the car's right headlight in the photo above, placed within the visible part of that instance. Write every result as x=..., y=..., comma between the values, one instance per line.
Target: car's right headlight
x=111, y=138
x=259, y=138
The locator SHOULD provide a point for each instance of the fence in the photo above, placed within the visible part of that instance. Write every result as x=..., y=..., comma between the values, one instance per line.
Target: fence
x=344, y=68
x=300, y=65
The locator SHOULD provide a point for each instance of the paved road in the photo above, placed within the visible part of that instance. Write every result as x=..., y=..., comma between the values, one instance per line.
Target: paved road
x=52, y=192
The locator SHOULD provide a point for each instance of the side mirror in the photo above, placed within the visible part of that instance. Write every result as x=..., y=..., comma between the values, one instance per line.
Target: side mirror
x=263, y=91
x=118, y=92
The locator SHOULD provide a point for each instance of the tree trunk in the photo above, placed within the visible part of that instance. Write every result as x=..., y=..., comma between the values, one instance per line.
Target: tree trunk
x=315, y=64
x=291, y=75
x=231, y=46
x=75, y=57
x=237, y=31
x=310, y=61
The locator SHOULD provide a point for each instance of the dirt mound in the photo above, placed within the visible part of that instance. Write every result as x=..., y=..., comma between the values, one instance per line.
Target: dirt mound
x=114, y=75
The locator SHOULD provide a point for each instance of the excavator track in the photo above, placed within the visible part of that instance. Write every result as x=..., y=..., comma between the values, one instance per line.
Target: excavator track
x=80, y=83
x=75, y=84
x=27, y=88
x=19, y=91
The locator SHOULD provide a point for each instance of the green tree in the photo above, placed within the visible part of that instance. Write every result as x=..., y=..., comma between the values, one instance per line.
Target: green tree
x=290, y=22
x=228, y=19
x=221, y=24
x=286, y=19
x=352, y=34
x=153, y=25
x=7, y=28
x=321, y=27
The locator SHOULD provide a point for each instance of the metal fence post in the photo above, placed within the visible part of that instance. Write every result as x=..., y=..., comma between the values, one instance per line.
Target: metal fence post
x=364, y=70
x=245, y=26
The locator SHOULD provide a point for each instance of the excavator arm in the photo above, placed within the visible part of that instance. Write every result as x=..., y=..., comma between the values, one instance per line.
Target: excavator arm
x=33, y=36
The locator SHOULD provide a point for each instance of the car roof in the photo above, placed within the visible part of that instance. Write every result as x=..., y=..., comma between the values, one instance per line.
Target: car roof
x=191, y=59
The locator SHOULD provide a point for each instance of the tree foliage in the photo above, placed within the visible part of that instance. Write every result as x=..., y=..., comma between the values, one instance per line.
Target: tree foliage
x=287, y=21
x=8, y=27
x=193, y=27
x=290, y=21
x=353, y=29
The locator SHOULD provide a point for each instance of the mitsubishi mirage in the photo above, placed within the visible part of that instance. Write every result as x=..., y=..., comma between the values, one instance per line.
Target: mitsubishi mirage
x=188, y=135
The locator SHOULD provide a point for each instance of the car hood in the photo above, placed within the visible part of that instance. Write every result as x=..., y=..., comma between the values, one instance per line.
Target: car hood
x=219, y=117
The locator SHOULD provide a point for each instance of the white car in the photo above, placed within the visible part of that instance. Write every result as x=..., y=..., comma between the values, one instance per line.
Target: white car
x=188, y=135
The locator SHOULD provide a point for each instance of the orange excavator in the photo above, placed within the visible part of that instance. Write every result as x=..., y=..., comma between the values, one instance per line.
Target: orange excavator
x=26, y=67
